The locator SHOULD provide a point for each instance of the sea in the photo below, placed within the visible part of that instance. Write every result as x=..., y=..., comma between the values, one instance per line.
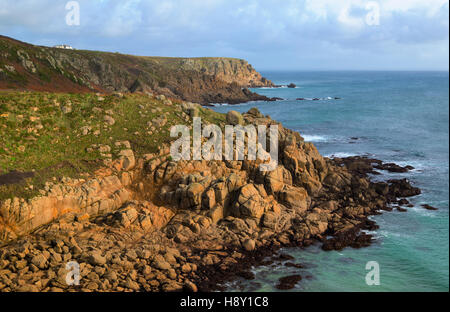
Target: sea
x=400, y=117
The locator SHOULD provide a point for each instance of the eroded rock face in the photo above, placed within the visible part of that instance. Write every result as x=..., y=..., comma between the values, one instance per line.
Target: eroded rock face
x=229, y=70
x=97, y=196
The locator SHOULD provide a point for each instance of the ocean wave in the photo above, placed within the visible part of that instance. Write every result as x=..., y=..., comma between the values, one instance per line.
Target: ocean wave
x=423, y=212
x=341, y=155
x=327, y=98
x=227, y=104
x=315, y=138
x=418, y=165
x=391, y=234
x=265, y=88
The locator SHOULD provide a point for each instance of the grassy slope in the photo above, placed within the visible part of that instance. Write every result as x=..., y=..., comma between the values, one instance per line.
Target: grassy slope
x=58, y=148
x=49, y=79
x=45, y=75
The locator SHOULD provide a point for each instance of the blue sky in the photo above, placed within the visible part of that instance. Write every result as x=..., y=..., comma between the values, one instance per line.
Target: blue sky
x=270, y=34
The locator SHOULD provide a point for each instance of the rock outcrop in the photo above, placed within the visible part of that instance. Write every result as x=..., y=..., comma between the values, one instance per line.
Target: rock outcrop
x=154, y=224
x=227, y=69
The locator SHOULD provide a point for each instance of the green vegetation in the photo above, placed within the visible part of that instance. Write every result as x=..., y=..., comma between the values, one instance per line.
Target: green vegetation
x=50, y=134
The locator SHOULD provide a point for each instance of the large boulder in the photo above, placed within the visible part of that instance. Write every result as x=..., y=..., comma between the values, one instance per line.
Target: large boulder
x=255, y=112
x=269, y=220
x=249, y=203
x=234, y=118
x=275, y=180
x=194, y=195
x=295, y=198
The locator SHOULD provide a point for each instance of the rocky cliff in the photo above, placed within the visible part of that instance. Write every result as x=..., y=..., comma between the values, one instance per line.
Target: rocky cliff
x=227, y=69
x=201, y=80
x=140, y=221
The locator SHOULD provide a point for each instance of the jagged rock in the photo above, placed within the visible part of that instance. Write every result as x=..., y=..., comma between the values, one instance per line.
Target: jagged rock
x=129, y=161
x=209, y=199
x=194, y=195
x=40, y=261
x=294, y=197
x=269, y=220
x=96, y=258
x=249, y=203
x=402, y=188
x=160, y=263
x=275, y=180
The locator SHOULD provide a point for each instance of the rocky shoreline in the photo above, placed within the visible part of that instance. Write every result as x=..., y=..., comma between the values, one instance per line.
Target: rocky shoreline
x=153, y=224
x=215, y=276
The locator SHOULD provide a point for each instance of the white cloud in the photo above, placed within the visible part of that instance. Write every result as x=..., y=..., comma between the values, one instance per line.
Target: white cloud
x=266, y=30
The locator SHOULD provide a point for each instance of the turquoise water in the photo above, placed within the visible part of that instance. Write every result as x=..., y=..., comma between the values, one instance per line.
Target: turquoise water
x=400, y=117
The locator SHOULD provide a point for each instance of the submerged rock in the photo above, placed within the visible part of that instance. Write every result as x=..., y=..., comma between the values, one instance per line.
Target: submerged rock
x=428, y=207
x=288, y=282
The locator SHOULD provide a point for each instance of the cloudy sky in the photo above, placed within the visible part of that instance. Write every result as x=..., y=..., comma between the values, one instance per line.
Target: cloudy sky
x=271, y=34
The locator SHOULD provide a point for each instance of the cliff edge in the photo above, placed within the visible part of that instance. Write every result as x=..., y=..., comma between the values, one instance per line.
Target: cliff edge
x=202, y=80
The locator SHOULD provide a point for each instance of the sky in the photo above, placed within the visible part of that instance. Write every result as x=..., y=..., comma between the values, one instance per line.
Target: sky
x=270, y=34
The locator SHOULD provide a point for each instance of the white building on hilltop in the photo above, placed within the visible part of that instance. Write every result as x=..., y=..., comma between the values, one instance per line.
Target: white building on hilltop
x=64, y=46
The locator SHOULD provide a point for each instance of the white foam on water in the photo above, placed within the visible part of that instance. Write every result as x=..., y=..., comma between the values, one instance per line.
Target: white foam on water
x=418, y=165
x=375, y=234
x=386, y=233
x=315, y=138
x=423, y=212
x=341, y=155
